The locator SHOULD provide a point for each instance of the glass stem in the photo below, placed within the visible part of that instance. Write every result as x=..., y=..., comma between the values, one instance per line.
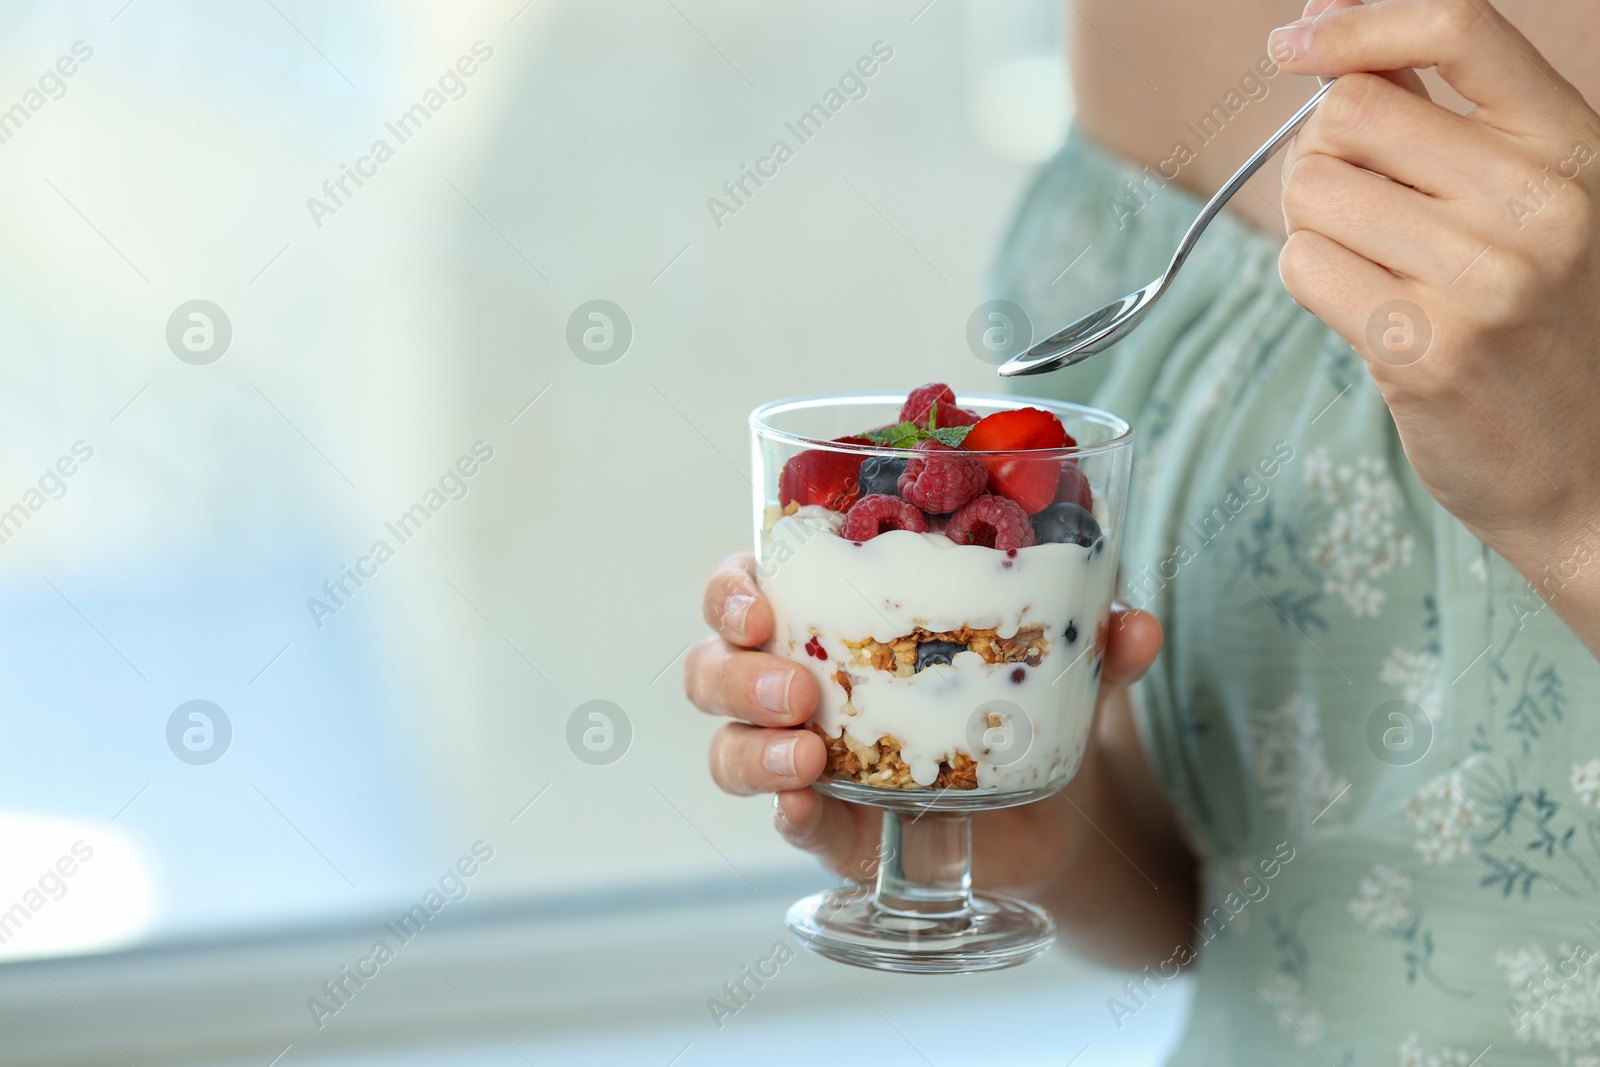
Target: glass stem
x=925, y=864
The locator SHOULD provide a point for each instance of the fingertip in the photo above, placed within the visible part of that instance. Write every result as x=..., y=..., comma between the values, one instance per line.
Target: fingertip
x=729, y=596
x=795, y=813
x=803, y=695
x=1136, y=640
x=810, y=757
x=1288, y=44
x=757, y=624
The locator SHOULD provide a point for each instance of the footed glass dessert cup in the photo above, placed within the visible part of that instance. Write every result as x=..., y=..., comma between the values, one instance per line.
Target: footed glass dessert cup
x=944, y=567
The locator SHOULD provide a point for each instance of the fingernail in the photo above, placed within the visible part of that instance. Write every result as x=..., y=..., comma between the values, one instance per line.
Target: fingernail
x=779, y=757
x=1289, y=42
x=772, y=690
x=734, y=611
x=780, y=818
x=1316, y=7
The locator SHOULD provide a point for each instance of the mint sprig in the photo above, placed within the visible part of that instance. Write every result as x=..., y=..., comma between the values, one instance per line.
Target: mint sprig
x=907, y=434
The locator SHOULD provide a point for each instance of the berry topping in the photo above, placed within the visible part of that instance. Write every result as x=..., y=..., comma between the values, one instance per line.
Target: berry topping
x=939, y=478
x=923, y=399
x=814, y=648
x=1072, y=632
x=1017, y=431
x=818, y=477
x=991, y=521
x=1030, y=482
x=933, y=653
x=1018, y=675
x=1073, y=488
x=1066, y=524
x=876, y=514
x=879, y=474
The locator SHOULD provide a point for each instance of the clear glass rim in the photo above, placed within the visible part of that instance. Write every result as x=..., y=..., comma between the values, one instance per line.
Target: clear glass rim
x=1120, y=429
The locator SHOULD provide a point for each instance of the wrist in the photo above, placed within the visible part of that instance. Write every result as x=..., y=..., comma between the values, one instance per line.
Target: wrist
x=1562, y=564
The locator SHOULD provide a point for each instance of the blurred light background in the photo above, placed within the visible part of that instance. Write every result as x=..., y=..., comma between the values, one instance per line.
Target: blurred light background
x=420, y=318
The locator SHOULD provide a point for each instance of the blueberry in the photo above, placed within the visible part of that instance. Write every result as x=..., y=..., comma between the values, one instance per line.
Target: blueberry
x=1072, y=632
x=880, y=474
x=932, y=653
x=1066, y=523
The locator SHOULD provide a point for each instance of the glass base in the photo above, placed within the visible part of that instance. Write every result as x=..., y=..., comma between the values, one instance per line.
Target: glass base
x=849, y=925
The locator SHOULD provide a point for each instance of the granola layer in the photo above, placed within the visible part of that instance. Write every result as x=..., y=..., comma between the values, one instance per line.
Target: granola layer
x=881, y=765
x=899, y=657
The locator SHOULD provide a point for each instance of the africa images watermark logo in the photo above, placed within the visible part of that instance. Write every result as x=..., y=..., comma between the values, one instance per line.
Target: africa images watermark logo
x=452, y=886
x=52, y=485
x=852, y=85
x=451, y=85
x=1252, y=87
x=52, y=85
x=452, y=485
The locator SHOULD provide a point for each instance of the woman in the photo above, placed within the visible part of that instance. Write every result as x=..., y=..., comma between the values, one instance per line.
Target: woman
x=1358, y=674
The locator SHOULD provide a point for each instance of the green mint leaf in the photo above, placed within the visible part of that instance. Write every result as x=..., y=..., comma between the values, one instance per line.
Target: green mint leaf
x=933, y=415
x=950, y=435
x=901, y=435
x=907, y=434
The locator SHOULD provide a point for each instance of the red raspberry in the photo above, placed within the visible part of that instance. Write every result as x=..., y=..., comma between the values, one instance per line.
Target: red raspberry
x=818, y=477
x=938, y=479
x=878, y=513
x=991, y=521
x=1073, y=486
x=922, y=398
x=954, y=416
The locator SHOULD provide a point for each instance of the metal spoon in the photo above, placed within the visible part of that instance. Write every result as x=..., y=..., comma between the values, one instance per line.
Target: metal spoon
x=1098, y=331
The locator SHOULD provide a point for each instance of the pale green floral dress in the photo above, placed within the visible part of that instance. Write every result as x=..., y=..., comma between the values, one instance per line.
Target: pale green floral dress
x=1434, y=908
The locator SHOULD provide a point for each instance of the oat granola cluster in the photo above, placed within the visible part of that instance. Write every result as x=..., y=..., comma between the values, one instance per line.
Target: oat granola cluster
x=881, y=764
x=900, y=655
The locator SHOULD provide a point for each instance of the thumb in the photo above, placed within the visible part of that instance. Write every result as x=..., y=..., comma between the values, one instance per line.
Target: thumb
x=1481, y=55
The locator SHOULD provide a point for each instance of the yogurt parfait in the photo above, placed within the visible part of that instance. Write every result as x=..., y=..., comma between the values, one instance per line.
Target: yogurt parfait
x=946, y=574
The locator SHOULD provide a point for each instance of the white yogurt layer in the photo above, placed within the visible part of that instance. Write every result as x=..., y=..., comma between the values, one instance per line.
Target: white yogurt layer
x=823, y=586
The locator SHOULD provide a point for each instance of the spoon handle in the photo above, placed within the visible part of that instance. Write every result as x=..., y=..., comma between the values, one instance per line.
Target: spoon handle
x=1242, y=175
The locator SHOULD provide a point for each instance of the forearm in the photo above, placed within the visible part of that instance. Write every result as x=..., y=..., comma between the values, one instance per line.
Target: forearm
x=1118, y=878
x=1122, y=898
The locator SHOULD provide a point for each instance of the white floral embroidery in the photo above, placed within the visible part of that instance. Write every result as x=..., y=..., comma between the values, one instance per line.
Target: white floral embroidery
x=1361, y=541
x=1447, y=818
x=1586, y=782
x=1384, y=902
x=1411, y=1055
x=1417, y=675
x=1556, y=1006
x=1288, y=997
x=1291, y=770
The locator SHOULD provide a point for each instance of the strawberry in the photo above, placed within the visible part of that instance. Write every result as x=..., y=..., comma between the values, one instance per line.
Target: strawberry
x=1018, y=431
x=923, y=398
x=818, y=477
x=1031, y=483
